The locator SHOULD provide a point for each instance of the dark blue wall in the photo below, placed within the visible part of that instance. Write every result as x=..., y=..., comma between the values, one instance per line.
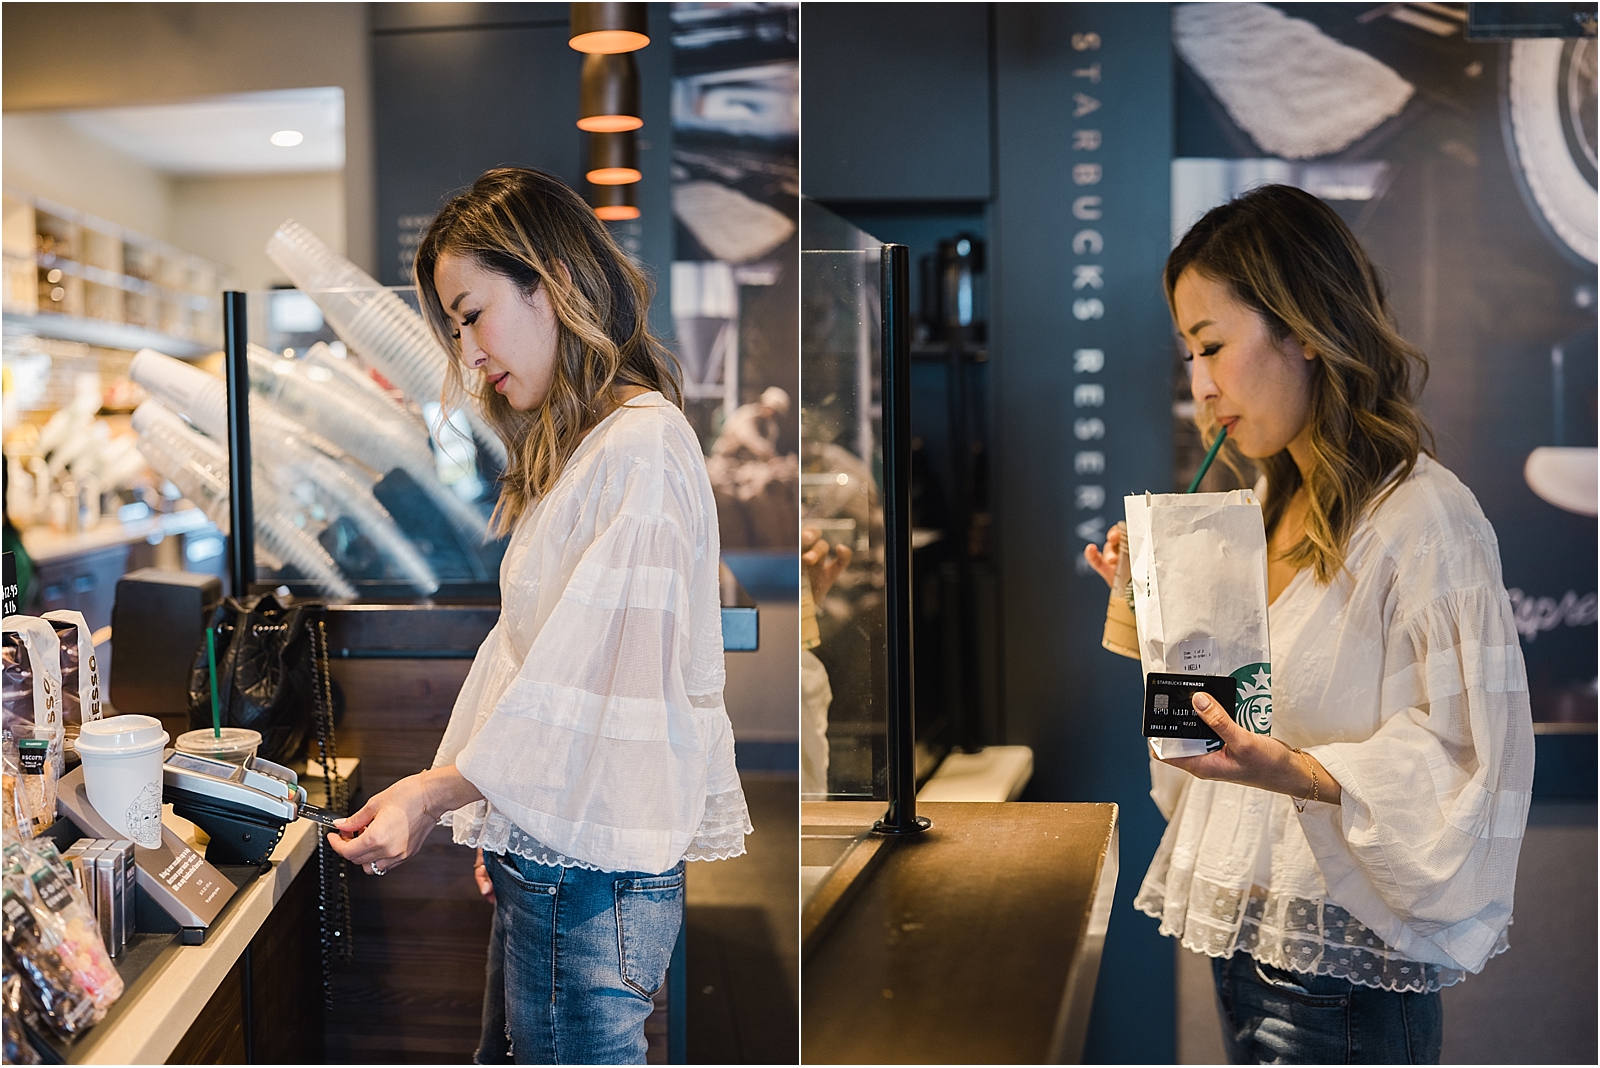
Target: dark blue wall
x=900, y=98
x=893, y=138
x=1060, y=69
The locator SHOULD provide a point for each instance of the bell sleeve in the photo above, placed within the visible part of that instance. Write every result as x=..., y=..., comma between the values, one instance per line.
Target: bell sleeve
x=1423, y=846
x=612, y=734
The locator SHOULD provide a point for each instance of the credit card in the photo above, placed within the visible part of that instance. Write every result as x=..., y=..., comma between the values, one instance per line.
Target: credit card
x=1169, y=704
x=321, y=816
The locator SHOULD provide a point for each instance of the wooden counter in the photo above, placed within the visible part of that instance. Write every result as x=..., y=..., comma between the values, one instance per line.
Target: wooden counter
x=254, y=987
x=977, y=941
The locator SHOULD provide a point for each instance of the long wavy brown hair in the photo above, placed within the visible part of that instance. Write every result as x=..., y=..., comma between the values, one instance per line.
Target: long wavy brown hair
x=527, y=226
x=1288, y=256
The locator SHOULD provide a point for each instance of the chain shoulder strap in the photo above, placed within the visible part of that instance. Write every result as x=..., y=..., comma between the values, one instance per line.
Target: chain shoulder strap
x=338, y=943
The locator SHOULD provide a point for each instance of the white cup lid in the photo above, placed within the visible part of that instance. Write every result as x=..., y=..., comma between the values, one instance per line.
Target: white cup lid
x=120, y=733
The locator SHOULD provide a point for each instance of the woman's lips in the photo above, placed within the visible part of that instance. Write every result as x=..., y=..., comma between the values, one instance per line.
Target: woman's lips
x=499, y=380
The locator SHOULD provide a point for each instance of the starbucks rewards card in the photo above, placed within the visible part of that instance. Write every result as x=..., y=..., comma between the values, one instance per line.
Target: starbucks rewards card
x=1199, y=569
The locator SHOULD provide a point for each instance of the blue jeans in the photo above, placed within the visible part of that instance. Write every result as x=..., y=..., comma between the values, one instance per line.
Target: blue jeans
x=1272, y=1016
x=574, y=958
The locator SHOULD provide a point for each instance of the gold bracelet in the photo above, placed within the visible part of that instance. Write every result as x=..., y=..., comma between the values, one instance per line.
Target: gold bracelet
x=427, y=797
x=1300, y=802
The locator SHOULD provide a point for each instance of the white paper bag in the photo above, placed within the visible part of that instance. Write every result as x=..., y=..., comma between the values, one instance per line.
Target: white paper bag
x=1199, y=569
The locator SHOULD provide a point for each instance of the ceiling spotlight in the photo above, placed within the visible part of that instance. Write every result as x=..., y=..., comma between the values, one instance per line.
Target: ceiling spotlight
x=614, y=203
x=613, y=158
x=609, y=28
x=287, y=138
x=608, y=97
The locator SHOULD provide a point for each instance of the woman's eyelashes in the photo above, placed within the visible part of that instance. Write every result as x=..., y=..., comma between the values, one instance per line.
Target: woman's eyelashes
x=466, y=320
x=1209, y=350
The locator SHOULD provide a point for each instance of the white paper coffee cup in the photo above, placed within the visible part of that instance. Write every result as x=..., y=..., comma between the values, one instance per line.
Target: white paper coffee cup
x=122, y=773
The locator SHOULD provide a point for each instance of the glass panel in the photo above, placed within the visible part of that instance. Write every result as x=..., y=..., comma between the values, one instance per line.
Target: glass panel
x=362, y=490
x=840, y=503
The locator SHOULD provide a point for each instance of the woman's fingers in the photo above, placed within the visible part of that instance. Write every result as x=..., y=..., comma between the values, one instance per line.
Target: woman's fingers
x=1216, y=717
x=813, y=549
x=480, y=874
x=1104, y=567
x=358, y=820
x=349, y=848
x=375, y=843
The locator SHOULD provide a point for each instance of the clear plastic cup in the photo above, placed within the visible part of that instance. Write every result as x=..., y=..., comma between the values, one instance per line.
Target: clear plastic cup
x=122, y=773
x=237, y=745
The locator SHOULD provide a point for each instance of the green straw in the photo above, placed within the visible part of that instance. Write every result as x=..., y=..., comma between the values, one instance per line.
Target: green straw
x=1205, y=465
x=216, y=705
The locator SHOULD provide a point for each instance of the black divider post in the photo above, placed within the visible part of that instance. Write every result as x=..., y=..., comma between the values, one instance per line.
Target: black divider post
x=241, y=509
x=894, y=268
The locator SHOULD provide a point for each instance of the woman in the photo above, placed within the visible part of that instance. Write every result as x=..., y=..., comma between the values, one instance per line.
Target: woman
x=588, y=754
x=1343, y=870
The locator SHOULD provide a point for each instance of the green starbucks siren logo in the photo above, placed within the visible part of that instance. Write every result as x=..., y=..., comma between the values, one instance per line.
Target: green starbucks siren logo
x=1255, y=697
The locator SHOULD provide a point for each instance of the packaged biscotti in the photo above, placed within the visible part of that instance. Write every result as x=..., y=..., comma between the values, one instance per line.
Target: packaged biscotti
x=31, y=732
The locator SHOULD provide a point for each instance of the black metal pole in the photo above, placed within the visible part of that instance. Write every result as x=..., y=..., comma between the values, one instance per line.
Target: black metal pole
x=969, y=729
x=895, y=294
x=241, y=510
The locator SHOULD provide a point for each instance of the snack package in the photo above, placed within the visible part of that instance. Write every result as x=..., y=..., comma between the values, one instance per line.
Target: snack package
x=30, y=660
x=19, y=1009
x=80, y=671
x=1198, y=564
x=64, y=1005
x=66, y=920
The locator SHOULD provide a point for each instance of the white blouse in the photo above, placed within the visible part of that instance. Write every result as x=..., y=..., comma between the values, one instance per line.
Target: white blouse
x=1404, y=678
x=592, y=718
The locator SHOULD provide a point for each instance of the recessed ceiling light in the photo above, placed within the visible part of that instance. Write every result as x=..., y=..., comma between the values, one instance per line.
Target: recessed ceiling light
x=287, y=138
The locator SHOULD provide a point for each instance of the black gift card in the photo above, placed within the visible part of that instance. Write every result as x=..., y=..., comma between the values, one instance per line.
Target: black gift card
x=1169, y=703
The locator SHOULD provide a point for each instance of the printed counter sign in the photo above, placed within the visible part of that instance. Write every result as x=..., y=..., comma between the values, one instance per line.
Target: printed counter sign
x=11, y=592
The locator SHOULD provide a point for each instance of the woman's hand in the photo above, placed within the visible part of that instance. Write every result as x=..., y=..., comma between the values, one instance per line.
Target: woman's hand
x=1255, y=759
x=480, y=875
x=391, y=827
x=1105, y=560
x=822, y=570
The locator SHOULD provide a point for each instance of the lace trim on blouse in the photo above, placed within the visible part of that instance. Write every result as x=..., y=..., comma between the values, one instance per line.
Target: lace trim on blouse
x=1294, y=933
x=480, y=826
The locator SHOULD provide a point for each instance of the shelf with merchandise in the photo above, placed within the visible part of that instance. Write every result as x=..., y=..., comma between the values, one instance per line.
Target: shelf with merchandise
x=74, y=277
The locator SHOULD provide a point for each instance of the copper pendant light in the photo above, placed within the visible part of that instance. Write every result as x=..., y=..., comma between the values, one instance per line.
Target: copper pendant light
x=608, y=96
x=614, y=203
x=613, y=158
x=609, y=28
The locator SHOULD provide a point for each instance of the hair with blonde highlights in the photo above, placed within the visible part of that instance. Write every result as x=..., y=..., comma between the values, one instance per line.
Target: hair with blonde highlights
x=530, y=228
x=1288, y=256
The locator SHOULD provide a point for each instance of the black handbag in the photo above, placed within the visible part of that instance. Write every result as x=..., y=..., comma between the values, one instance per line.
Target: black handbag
x=273, y=677
x=267, y=673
